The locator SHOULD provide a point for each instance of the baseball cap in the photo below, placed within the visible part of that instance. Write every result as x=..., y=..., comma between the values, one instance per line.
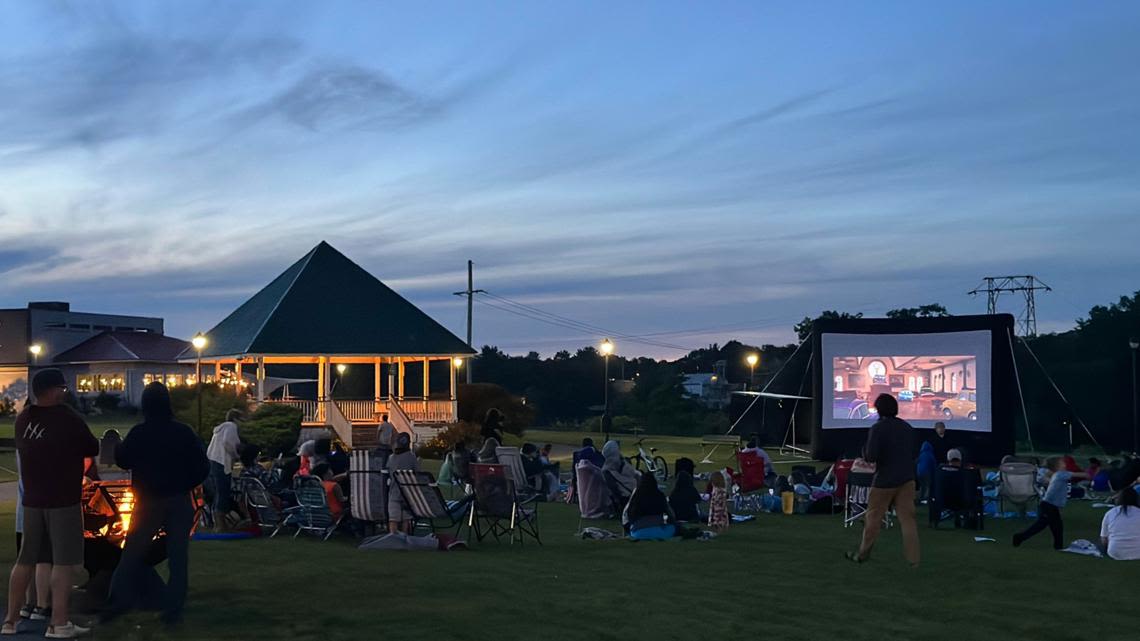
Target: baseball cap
x=46, y=379
x=954, y=454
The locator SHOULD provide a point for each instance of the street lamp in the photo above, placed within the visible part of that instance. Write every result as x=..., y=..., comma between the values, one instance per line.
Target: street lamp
x=607, y=348
x=340, y=368
x=199, y=343
x=458, y=362
x=35, y=349
x=1134, y=343
x=752, y=359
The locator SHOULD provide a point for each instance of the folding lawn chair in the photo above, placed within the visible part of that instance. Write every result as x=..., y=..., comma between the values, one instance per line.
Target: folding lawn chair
x=497, y=509
x=958, y=496
x=421, y=494
x=857, y=498
x=260, y=507
x=311, y=513
x=511, y=457
x=368, y=487
x=1018, y=486
x=751, y=475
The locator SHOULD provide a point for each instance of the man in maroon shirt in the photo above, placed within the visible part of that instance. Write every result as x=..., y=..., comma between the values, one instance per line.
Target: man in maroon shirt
x=53, y=442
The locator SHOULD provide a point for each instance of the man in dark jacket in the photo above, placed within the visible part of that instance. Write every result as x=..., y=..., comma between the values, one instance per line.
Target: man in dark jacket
x=890, y=446
x=166, y=460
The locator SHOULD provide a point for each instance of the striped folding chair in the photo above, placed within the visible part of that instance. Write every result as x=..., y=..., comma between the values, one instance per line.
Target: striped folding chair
x=425, y=501
x=858, y=498
x=368, y=487
x=260, y=506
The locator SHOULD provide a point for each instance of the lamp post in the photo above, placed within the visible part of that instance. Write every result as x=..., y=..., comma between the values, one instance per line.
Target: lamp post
x=199, y=343
x=1134, y=343
x=607, y=348
x=752, y=359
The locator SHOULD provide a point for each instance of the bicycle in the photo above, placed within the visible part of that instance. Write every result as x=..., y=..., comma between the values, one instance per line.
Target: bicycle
x=648, y=462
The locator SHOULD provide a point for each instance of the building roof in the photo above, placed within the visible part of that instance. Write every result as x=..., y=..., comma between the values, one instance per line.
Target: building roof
x=325, y=304
x=124, y=346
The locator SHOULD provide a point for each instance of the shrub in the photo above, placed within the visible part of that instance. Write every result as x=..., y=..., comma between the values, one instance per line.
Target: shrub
x=215, y=403
x=107, y=402
x=7, y=406
x=445, y=440
x=477, y=398
x=272, y=428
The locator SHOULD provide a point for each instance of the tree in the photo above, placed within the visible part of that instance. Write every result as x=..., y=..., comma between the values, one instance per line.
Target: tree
x=804, y=327
x=933, y=310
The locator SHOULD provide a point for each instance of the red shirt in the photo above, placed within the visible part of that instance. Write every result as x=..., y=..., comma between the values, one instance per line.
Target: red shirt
x=53, y=443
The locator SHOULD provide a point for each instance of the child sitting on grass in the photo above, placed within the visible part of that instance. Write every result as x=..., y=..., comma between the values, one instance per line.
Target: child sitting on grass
x=718, y=503
x=1049, y=512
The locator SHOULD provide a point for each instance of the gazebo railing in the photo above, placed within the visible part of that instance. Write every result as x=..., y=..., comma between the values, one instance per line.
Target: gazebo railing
x=428, y=411
x=310, y=412
x=361, y=410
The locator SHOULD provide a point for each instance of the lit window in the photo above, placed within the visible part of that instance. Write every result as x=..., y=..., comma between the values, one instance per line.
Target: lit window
x=839, y=383
x=84, y=384
x=109, y=383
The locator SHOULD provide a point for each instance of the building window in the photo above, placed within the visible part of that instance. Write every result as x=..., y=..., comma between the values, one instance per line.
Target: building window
x=839, y=383
x=84, y=383
x=109, y=383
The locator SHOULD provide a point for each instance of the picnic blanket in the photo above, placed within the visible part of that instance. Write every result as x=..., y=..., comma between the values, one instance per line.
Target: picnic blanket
x=1083, y=547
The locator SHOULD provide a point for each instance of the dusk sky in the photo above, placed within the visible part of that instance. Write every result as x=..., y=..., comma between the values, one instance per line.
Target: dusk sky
x=691, y=171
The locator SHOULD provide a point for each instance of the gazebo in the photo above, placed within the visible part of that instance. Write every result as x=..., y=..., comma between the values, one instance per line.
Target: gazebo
x=328, y=312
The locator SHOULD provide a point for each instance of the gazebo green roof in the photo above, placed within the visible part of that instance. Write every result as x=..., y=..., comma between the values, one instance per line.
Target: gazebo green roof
x=325, y=304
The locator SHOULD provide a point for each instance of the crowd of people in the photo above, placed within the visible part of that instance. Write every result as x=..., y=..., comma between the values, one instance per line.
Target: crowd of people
x=166, y=461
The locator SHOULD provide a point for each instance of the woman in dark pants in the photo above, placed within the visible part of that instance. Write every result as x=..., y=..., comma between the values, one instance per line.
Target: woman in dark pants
x=166, y=461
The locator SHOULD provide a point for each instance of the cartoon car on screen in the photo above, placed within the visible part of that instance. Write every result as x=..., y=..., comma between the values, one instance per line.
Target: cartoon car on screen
x=852, y=408
x=906, y=395
x=965, y=405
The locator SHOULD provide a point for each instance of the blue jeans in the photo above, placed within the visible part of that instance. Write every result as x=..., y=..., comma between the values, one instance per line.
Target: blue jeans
x=223, y=490
x=134, y=579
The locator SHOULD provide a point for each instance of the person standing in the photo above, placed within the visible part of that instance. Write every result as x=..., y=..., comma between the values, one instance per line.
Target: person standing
x=939, y=442
x=166, y=462
x=890, y=446
x=1054, y=500
x=53, y=443
x=223, y=451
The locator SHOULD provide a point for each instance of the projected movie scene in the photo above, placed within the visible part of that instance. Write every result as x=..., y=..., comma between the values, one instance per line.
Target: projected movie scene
x=928, y=388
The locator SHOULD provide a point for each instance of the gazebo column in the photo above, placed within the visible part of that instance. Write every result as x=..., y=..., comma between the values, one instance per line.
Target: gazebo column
x=237, y=377
x=400, y=391
x=454, y=389
x=260, y=379
x=217, y=372
x=391, y=379
x=322, y=386
x=427, y=380
x=376, y=393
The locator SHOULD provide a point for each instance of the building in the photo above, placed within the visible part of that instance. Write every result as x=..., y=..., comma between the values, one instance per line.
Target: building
x=43, y=332
x=329, y=316
x=710, y=389
x=120, y=364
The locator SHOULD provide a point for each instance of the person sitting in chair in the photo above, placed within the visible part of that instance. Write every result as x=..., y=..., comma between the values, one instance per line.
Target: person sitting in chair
x=620, y=475
x=334, y=493
x=588, y=453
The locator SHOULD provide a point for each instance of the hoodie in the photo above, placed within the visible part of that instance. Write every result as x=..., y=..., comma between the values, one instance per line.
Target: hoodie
x=224, y=445
x=616, y=465
x=926, y=461
x=164, y=457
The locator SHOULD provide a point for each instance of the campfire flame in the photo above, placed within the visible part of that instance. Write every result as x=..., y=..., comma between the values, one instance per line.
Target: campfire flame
x=126, y=507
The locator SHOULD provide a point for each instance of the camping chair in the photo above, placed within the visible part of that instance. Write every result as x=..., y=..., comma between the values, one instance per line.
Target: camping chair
x=260, y=507
x=422, y=496
x=1018, y=485
x=958, y=495
x=368, y=487
x=857, y=498
x=751, y=475
x=312, y=511
x=511, y=458
x=497, y=509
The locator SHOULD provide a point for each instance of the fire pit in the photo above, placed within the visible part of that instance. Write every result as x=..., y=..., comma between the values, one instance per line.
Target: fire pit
x=107, y=510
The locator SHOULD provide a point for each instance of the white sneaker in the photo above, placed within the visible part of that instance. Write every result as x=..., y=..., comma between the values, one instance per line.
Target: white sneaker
x=67, y=631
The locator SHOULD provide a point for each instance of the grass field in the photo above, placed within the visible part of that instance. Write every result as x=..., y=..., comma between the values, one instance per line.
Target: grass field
x=779, y=577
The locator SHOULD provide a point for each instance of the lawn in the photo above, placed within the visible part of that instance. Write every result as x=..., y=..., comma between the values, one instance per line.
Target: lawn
x=780, y=577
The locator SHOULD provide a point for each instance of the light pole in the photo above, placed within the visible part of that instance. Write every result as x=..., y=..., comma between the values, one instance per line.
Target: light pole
x=607, y=348
x=1134, y=343
x=752, y=359
x=199, y=343
x=341, y=368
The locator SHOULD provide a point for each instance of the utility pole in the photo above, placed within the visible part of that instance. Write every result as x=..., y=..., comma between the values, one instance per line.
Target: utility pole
x=470, y=294
x=995, y=286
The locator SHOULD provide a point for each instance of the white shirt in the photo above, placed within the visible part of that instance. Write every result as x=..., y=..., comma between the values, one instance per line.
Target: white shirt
x=224, y=444
x=1123, y=533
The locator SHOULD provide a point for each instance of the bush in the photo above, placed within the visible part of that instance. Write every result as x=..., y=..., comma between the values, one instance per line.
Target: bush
x=215, y=403
x=477, y=398
x=7, y=406
x=445, y=440
x=273, y=428
x=107, y=402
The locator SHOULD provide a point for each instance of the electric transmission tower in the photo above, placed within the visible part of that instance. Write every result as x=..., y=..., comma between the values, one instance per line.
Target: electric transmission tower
x=995, y=286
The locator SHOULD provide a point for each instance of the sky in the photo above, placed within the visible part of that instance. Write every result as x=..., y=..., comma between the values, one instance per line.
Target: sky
x=678, y=174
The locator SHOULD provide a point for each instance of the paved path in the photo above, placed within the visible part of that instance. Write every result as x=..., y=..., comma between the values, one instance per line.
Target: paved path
x=8, y=491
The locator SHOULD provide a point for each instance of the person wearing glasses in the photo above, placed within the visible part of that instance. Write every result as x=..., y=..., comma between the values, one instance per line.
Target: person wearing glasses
x=54, y=444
